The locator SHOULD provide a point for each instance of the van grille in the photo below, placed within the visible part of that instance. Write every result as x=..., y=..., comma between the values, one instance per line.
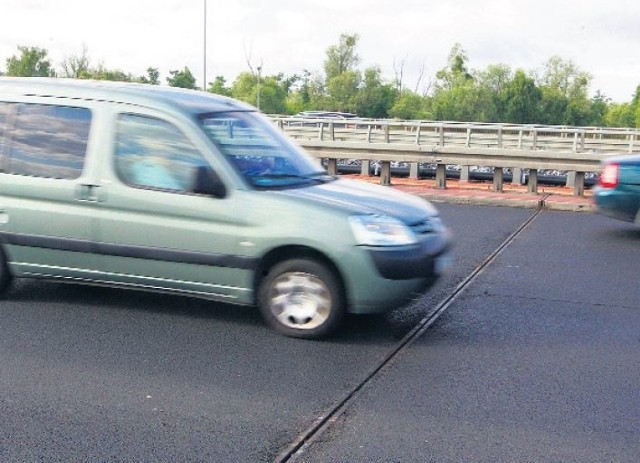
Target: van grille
x=426, y=226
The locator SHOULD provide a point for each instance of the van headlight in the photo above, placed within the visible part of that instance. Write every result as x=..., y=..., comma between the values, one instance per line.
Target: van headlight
x=380, y=230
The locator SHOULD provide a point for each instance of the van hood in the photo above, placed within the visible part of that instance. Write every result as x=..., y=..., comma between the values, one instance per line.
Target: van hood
x=358, y=197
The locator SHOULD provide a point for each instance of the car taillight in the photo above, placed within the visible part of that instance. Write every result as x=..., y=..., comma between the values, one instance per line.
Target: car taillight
x=609, y=175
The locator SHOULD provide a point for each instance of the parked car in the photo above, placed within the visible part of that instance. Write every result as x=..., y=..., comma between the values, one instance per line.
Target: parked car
x=181, y=191
x=617, y=194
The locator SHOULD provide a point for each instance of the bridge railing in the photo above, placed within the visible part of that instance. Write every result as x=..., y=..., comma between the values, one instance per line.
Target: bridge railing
x=577, y=150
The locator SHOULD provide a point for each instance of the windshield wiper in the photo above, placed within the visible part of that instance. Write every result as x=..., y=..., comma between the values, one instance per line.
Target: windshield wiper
x=282, y=180
x=315, y=176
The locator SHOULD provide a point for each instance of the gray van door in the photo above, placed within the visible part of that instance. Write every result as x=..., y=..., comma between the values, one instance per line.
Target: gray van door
x=155, y=230
x=46, y=223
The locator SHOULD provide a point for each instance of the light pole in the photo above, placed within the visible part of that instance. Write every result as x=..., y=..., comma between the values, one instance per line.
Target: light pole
x=204, y=77
x=259, y=71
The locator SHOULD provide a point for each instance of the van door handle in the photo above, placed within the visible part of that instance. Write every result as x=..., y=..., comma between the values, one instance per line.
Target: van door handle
x=90, y=193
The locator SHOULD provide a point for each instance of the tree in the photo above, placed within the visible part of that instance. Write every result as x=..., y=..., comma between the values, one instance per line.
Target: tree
x=456, y=73
x=409, y=106
x=374, y=98
x=273, y=95
x=342, y=58
x=182, y=79
x=342, y=78
x=520, y=99
x=32, y=62
x=76, y=66
x=152, y=77
x=219, y=86
x=102, y=73
x=342, y=91
x=457, y=97
x=620, y=115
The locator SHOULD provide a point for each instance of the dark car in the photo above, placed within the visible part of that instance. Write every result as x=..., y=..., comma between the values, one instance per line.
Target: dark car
x=618, y=192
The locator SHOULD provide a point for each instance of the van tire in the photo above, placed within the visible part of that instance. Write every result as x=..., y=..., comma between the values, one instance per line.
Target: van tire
x=302, y=298
x=5, y=274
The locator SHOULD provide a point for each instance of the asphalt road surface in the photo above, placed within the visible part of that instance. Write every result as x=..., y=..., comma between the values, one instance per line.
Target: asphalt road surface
x=534, y=358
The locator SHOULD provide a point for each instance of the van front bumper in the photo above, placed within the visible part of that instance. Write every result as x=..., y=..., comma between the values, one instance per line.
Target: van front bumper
x=423, y=260
x=389, y=278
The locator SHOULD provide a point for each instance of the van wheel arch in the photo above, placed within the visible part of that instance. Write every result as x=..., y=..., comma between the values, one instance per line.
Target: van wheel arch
x=278, y=255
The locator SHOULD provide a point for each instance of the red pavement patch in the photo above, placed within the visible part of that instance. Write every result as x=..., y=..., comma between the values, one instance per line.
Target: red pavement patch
x=555, y=198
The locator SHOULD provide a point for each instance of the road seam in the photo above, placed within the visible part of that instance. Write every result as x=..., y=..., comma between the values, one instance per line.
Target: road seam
x=304, y=441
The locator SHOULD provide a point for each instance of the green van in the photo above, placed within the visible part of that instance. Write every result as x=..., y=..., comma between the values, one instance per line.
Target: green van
x=182, y=191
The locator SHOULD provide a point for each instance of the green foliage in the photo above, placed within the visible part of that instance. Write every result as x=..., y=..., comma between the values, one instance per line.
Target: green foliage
x=621, y=115
x=32, y=62
x=342, y=57
x=456, y=73
x=342, y=90
x=152, y=77
x=219, y=86
x=409, y=106
x=519, y=100
x=374, y=98
x=76, y=66
x=556, y=96
x=271, y=91
x=102, y=73
x=182, y=79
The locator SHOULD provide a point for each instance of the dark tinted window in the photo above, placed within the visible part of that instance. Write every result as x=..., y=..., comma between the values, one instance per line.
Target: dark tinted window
x=49, y=141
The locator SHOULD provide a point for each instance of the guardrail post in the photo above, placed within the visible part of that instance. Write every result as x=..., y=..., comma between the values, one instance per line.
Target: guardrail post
x=385, y=173
x=414, y=170
x=365, y=168
x=571, y=180
x=578, y=189
x=332, y=166
x=321, y=133
x=516, y=176
x=532, y=186
x=441, y=176
x=520, y=139
x=441, y=141
x=498, y=179
x=386, y=134
x=464, y=173
x=332, y=135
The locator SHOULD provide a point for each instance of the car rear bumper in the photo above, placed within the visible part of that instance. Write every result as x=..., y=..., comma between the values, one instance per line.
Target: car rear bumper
x=618, y=203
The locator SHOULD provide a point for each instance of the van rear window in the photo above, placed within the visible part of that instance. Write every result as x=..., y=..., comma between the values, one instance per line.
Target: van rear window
x=47, y=141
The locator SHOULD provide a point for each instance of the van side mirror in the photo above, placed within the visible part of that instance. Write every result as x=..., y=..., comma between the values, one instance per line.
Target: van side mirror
x=207, y=182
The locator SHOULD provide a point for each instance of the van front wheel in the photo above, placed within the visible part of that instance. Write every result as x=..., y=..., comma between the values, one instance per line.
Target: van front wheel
x=302, y=298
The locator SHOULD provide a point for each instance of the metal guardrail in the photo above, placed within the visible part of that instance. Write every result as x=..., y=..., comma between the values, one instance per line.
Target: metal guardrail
x=577, y=150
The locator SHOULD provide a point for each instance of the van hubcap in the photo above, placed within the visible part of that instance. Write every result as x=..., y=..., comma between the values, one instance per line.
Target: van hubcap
x=300, y=300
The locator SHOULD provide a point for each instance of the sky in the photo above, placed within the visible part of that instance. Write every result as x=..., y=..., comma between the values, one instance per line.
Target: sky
x=290, y=36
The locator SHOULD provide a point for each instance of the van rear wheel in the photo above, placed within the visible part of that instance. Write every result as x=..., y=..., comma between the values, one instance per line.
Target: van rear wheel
x=302, y=298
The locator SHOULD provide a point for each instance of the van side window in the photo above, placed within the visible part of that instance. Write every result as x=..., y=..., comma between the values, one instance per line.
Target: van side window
x=152, y=153
x=4, y=123
x=48, y=141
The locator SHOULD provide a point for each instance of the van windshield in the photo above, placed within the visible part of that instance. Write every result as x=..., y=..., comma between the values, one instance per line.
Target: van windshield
x=260, y=152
